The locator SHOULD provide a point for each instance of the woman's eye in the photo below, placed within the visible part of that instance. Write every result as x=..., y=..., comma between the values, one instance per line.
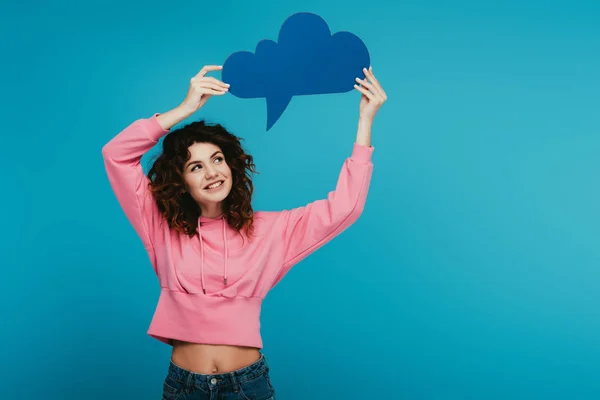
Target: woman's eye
x=194, y=167
x=219, y=159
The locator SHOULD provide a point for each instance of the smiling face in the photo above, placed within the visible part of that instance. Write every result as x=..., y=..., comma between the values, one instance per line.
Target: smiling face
x=207, y=177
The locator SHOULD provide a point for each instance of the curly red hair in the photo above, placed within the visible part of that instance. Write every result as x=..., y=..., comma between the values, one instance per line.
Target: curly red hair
x=167, y=185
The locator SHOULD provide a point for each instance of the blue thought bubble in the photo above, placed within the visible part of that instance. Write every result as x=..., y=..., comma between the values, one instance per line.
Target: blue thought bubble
x=306, y=60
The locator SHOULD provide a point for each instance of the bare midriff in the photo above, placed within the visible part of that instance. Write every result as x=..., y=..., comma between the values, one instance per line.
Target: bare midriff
x=212, y=359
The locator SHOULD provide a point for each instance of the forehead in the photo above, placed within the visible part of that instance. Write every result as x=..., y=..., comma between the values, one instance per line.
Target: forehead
x=201, y=151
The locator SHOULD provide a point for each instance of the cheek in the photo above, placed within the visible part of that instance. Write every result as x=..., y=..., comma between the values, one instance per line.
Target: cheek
x=192, y=181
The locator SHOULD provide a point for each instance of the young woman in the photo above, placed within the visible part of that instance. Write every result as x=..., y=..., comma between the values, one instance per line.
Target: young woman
x=215, y=258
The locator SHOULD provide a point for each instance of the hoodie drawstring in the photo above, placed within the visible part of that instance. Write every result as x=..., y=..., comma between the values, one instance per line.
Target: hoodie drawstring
x=202, y=254
x=225, y=245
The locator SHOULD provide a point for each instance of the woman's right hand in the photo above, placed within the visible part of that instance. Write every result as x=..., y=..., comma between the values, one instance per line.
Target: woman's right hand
x=203, y=88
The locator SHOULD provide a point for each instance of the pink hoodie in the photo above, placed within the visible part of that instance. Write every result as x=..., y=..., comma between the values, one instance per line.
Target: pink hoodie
x=212, y=285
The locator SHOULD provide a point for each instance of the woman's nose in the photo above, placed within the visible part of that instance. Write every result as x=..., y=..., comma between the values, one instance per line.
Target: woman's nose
x=210, y=172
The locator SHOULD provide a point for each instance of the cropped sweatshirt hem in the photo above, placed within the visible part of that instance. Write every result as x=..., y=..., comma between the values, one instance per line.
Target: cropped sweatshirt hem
x=183, y=316
x=212, y=284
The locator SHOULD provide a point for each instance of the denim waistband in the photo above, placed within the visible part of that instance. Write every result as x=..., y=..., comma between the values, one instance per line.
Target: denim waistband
x=207, y=381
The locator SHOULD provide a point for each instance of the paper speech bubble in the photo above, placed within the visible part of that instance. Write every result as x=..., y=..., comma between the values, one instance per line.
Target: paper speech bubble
x=306, y=60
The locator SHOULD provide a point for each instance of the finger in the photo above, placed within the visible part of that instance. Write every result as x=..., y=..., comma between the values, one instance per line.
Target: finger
x=216, y=81
x=208, y=68
x=367, y=85
x=370, y=76
x=378, y=84
x=205, y=82
x=364, y=91
x=214, y=91
x=378, y=94
x=376, y=87
x=202, y=85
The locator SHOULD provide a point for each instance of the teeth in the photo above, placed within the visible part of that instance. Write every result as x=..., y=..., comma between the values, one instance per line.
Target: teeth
x=214, y=185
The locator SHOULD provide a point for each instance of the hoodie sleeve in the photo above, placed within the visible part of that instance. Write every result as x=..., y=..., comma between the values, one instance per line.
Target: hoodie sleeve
x=307, y=228
x=122, y=156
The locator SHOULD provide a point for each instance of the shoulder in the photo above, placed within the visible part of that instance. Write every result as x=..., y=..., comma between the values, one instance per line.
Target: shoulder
x=267, y=217
x=266, y=221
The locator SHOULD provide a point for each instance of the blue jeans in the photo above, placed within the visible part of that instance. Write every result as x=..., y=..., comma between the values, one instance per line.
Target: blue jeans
x=249, y=383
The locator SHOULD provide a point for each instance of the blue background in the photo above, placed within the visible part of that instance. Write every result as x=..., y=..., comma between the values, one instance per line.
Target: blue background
x=472, y=274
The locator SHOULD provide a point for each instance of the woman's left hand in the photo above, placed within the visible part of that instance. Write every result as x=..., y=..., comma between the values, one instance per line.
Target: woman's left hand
x=373, y=95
